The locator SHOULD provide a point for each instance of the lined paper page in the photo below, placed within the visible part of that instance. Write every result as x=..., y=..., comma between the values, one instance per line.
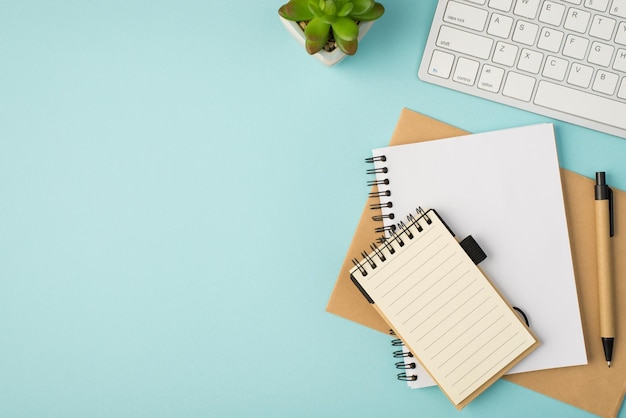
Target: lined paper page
x=444, y=308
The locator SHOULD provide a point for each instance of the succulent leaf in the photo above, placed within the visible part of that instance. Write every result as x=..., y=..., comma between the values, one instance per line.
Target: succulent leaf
x=346, y=29
x=297, y=10
x=314, y=7
x=348, y=47
x=376, y=12
x=329, y=19
x=329, y=7
x=362, y=6
x=345, y=10
x=316, y=33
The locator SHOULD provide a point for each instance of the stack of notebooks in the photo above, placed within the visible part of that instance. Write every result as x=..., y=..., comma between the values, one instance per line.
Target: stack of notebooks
x=529, y=311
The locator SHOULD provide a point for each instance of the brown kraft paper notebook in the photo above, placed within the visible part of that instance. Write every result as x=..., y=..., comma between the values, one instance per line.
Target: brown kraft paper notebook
x=594, y=387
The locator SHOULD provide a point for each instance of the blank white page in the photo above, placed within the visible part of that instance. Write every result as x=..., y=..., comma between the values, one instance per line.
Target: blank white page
x=504, y=189
x=443, y=308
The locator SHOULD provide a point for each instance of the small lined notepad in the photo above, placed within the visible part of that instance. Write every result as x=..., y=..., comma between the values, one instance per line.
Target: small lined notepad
x=443, y=307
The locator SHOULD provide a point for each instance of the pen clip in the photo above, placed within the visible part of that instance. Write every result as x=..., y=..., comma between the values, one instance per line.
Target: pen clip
x=611, y=213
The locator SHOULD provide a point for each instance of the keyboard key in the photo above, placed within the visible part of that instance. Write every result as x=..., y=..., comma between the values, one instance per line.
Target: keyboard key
x=555, y=68
x=602, y=27
x=465, y=42
x=575, y=47
x=525, y=32
x=605, y=82
x=580, y=75
x=600, y=54
x=530, y=61
x=490, y=78
x=577, y=20
x=599, y=5
x=551, y=13
x=527, y=8
x=620, y=60
x=518, y=86
x=618, y=8
x=500, y=25
x=550, y=40
x=466, y=16
x=503, y=5
x=582, y=104
x=465, y=71
x=621, y=93
x=573, y=1
x=620, y=37
x=441, y=64
x=505, y=54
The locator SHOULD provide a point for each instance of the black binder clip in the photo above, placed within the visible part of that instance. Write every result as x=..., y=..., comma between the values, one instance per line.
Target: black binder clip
x=472, y=249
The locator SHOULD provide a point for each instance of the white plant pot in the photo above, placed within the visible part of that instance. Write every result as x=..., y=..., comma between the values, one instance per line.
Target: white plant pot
x=328, y=58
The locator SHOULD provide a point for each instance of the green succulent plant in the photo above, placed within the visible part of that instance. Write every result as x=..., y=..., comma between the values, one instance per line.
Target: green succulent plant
x=336, y=17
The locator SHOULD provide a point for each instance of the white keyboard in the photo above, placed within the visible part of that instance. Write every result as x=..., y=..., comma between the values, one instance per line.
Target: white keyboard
x=564, y=59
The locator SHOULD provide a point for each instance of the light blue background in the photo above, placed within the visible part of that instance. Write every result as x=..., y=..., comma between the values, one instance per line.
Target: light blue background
x=179, y=183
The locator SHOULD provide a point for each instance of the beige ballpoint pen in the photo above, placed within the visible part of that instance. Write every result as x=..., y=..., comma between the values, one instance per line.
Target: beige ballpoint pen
x=604, y=232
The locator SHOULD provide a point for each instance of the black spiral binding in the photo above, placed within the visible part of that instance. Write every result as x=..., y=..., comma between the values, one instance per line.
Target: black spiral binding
x=404, y=364
x=397, y=238
x=381, y=194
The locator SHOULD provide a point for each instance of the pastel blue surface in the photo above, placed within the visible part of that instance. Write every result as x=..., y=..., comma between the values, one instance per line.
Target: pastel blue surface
x=179, y=183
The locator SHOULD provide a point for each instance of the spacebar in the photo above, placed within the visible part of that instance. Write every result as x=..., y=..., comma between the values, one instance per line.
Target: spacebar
x=582, y=104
